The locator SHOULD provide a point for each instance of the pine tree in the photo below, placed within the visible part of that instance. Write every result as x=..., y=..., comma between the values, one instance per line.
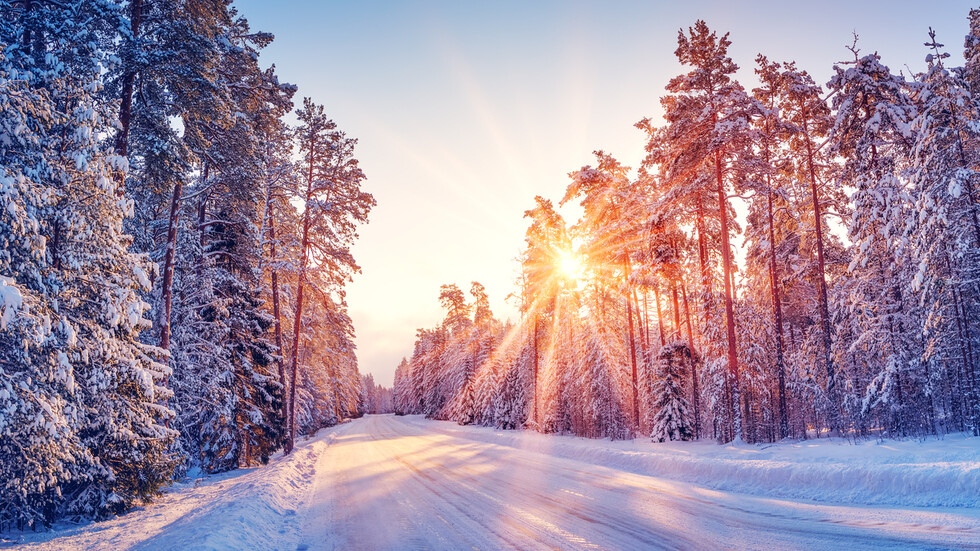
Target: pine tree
x=333, y=205
x=73, y=311
x=872, y=133
x=671, y=412
x=403, y=388
x=612, y=237
x=945, y=236
x=770, y=129
x=707, y=137
x=545, y=238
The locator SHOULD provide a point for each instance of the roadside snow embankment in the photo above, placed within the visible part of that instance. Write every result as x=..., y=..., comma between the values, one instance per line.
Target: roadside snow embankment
x=934, y=473
x=257, y=510
x=245, y=509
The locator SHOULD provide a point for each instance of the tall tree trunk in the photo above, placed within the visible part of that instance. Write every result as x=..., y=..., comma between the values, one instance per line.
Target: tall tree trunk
x=294, y=352
x=777, y=312
x=687, y=316
x=126, y=99
x=705, y=294
x=202, y=214
x=168, y=265
x=632, y=338
x=677, y=311
x=300, y=288
x=696, y=398
x=729, y=303
x=660, y=316
x=534, y=375
x=641, y=319
x=644, y=346
x=969, y=373
x=276, y=308
x=702, y=246
x=822, y=282
x=646, y=317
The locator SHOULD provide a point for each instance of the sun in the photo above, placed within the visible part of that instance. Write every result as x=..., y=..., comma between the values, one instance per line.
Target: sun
x=571, y=266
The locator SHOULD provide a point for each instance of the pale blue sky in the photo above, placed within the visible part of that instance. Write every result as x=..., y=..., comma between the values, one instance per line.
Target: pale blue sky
x=465, y=110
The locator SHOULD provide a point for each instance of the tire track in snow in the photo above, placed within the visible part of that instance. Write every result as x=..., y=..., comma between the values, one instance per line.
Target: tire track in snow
x=446, y=491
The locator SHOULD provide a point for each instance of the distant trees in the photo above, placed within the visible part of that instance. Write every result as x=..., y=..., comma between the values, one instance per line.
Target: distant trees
x=664, y=334
x=148, y=197
x=376, y=398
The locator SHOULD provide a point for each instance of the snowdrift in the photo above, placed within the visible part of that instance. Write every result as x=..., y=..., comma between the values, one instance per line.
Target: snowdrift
x=930, y=473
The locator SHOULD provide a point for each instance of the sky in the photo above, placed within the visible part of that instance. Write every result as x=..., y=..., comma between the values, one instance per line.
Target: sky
x=464, y=111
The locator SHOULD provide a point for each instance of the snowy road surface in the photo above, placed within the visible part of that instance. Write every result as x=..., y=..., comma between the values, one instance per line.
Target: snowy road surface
x=403, y=483
x=389, y=483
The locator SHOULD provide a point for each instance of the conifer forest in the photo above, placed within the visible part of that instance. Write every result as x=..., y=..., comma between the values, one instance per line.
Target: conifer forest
x=174, y=254
x=791, y=260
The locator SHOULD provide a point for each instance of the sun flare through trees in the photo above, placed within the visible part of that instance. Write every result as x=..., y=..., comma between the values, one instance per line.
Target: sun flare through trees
x=787, y=261
x=571, y=266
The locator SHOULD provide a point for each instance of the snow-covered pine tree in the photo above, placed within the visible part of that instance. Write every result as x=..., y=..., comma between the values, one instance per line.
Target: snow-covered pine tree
x=277, y=237
x=872, y=134
x=513, y=401
x=814, y=254
x=489, y=381
x=456, y=361
x=945, y=236
x=468, y=353
x=604, y=386
x=761, y=233
x=227, y=384
x=424, y=371
x=707, y=139
x=81, y=284
x=670, y=256
x=672, y=419
x=333, y=205
x=544, y=239
x=40, y=449
x=485, y=338
x=402, y=388
x=611, y=227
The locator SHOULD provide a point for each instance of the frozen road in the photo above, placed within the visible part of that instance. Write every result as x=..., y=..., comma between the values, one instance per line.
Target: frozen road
x=386, y=482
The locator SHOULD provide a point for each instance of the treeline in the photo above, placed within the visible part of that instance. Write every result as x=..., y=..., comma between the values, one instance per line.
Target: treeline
x=374, y=397
x=174, y=254
x=853, y=308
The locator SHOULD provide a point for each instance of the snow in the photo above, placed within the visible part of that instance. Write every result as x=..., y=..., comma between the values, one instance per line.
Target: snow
x=931, y=473
x=386, y=482
x=245, y=509
x=141, y=276
x=10, y=300
x=955, y=188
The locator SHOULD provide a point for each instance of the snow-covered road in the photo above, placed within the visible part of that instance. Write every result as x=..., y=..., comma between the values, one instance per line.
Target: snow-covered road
x=386, y=482
x=392, y=483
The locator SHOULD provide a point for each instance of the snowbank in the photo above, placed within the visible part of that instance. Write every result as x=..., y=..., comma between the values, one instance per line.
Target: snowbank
x=245, y=509
x=934, y=473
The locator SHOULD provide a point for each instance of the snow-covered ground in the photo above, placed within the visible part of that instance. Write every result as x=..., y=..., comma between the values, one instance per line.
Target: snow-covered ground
x=386, y=482
x=929, y=473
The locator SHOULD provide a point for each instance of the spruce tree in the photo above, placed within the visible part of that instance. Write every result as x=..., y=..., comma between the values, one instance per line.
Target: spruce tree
x=670, y=409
